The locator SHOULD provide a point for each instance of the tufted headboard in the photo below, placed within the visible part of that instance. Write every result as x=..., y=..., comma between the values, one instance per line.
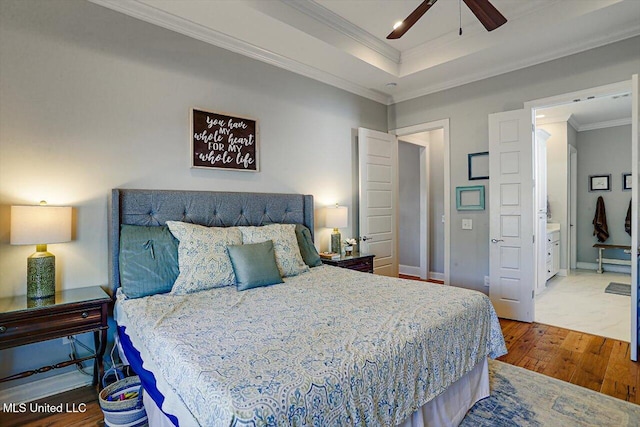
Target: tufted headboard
x=210, y=208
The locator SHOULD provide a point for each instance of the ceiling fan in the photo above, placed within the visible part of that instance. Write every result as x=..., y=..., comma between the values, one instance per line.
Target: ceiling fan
x=486, y=13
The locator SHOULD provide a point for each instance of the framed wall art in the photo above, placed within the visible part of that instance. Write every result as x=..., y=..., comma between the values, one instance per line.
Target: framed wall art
x=470, y=198
x=600, y=182
x=626, y=181
x=222, y=141
x=478, y=165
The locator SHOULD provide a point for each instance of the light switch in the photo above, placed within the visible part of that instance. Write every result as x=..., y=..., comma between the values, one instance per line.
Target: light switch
x=467, y=224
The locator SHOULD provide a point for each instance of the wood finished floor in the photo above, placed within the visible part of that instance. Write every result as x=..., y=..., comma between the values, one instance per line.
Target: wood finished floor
x=601, y=364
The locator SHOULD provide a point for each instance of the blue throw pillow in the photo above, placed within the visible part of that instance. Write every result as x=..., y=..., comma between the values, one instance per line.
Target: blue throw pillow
x=254, y=265
x=307, y=248
x=148, y=260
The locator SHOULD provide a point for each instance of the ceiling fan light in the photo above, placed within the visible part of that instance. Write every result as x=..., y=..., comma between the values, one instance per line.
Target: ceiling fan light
x=397, y=24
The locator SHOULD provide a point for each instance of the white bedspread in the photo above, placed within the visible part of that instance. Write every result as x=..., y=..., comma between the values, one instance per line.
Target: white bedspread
x=328, y=347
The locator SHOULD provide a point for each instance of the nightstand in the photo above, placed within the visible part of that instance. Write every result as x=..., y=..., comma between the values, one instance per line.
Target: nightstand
x=70, y=312
x=360, y=262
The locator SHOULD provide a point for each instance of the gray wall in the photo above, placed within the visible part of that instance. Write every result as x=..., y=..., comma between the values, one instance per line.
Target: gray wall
x=467, y=108
x=601, y=152
x=436, y=201
x=409, y=204
x=91, y=99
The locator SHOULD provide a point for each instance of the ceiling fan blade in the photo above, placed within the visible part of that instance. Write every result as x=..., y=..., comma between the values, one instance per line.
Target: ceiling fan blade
x=486, y=13
x=411, y=19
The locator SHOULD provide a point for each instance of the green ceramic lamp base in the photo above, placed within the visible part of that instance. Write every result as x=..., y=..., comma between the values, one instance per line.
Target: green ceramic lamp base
x=336, y=246
x=41, y=274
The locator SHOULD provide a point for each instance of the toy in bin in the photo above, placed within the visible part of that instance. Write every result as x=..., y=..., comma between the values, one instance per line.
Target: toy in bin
x=121, y=403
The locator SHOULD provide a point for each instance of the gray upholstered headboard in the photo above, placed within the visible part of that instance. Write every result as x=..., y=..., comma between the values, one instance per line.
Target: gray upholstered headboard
x=210, y=208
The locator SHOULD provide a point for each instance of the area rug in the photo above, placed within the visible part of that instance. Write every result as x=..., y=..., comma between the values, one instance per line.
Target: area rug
x=618, y=289
x=520, y=397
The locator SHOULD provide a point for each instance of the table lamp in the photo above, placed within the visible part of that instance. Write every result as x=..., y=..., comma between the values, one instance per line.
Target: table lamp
x=336, y=217
x=40, y=225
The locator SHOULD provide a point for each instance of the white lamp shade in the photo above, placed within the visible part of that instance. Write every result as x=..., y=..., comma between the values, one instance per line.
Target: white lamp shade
x=40, y=225
x=336, y=217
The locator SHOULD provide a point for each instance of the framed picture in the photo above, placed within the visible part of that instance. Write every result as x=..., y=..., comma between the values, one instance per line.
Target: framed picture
x=478, y=165
x=600, y=182
x=626, y=181
x=223, y=141
x=470, y=198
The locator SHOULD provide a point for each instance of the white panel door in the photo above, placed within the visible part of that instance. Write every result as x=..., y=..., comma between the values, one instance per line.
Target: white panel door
x=635, y=233
x=378, y=157
x=511, y=246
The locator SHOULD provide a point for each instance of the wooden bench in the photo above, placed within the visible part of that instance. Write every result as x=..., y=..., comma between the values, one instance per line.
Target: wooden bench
x=601, y=248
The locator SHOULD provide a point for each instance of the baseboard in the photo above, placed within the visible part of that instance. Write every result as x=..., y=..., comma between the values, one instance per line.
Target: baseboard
x=409, y=270
x=436, y=276
x=608, y=268
x=45, y=387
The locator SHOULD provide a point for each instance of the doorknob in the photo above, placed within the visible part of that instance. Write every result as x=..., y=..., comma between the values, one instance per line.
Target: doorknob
x=496, y=240
x=365, y=238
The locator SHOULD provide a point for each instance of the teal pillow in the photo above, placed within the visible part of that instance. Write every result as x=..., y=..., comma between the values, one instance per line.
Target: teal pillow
x=307, y=248
x=148, y=260
x=254, y=265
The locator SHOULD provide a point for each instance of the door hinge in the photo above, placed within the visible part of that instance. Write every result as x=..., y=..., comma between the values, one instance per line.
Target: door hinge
x=534, y=238
x=533, y=294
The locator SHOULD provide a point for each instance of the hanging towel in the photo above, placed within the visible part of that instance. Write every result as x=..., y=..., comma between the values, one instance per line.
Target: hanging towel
x=600, y=229
x=627, y=220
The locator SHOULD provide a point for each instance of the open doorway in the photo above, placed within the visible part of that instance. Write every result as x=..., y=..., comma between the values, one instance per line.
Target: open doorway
x=588, y=156
x=421, y=205
x=439, y=247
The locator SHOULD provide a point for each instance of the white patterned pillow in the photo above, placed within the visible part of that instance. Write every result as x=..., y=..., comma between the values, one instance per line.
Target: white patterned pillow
x=202, y=256
x=285, y=245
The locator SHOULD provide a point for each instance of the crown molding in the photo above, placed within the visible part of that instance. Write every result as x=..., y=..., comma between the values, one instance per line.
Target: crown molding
x=338, y=23
x=562, y=51
x=571, y=121
x=180, y=25
x=605, y=124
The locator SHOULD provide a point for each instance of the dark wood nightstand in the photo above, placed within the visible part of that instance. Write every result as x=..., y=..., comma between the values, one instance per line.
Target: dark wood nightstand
x=360, y=262
x=70, y=312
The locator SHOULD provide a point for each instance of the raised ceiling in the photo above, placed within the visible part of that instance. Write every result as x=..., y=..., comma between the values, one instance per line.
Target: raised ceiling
x=343, y=42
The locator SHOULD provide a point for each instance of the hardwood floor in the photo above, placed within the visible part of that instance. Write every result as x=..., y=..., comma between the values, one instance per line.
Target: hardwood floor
x=601, y=364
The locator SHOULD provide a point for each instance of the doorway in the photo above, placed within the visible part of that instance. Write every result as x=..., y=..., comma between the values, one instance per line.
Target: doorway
x=421, y=205
x=438, y=244
x=590, y=137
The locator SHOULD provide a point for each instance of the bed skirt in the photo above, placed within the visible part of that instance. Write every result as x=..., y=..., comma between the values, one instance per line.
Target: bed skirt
x=445, y=410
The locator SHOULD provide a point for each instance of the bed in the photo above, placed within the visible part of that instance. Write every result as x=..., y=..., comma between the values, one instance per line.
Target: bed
x=329, y=346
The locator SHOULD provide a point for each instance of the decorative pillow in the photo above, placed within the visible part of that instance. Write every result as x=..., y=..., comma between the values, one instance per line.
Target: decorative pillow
x=148, y=260
x=308, y=250
x=254, y=265
x=285, y=245
x=202, y=256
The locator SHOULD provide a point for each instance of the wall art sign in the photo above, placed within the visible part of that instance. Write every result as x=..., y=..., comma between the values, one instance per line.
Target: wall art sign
x=221, y=141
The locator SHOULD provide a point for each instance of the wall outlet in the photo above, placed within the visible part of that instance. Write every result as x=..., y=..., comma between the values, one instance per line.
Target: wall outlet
x=486, y=281
x=467, y=224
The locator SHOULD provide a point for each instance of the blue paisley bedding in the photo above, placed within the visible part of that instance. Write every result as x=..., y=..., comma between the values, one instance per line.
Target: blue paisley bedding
x=328, y=347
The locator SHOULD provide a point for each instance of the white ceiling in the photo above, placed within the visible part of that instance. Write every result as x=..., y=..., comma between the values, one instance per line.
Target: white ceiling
x=588, y=114
x=343, y=42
